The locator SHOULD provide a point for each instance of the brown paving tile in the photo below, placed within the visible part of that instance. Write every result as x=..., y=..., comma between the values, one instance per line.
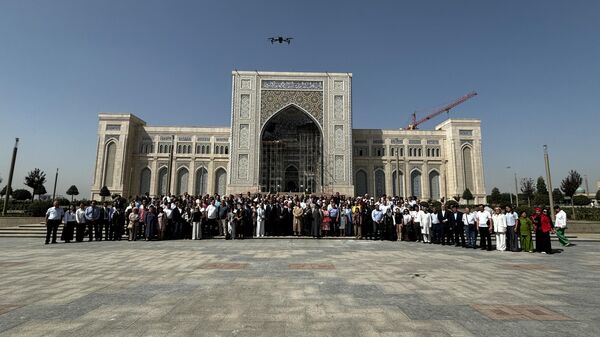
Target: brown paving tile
x=224, y=266
x=528, y=266
x=500, y=312
x=4, y=308
x=311, y=266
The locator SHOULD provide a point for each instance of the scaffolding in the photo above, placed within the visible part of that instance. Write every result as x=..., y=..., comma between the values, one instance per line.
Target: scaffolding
x=291, y=154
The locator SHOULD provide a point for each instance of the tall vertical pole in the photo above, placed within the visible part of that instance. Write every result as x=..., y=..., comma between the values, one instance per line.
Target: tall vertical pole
x=510, y=193
x=54, y=189
x=547, y=162
x=516, y=189
x=10, y=177
x=587, y=187
x=170, y=170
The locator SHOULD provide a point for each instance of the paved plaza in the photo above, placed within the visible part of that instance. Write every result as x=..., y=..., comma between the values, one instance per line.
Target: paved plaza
x=294, y=287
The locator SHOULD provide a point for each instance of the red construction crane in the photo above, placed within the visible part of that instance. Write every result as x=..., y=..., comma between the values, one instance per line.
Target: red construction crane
x=445, y=108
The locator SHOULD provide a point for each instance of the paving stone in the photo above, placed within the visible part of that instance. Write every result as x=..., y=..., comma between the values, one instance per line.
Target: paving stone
x=289, y=287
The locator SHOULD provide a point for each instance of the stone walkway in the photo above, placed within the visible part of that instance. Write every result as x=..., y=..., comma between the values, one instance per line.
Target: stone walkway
x=294, y=288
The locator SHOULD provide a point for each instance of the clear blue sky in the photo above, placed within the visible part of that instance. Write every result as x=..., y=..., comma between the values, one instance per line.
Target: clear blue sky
x=535, y=64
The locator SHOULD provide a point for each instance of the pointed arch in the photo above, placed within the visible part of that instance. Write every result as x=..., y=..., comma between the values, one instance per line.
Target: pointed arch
x=183, y=176
x=379, y=182
x=162, y=181
x=434, y=185
x=467, y=157
x=220, y=181
x=201, y=181
x=361, y=182
x=415, y=183
x=110, y=155
x=145, y=178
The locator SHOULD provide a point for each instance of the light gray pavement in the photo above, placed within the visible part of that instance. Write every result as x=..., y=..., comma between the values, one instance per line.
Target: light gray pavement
x=290, y=287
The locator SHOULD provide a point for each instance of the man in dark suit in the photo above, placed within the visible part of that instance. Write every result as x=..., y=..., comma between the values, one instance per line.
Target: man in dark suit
x=443, y=217
x=456, y=223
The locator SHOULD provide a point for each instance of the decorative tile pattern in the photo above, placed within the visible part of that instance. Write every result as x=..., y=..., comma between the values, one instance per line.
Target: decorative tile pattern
x=338, y=85
x=315, y=266
x=246, y=84
x=519, y=313
x=274, y=100
x=292, y=85
x=244, y=106
x=338, y=107
x=244, y=140
x=243, y=166
x=339, y=168
x=224, y=266
x=338, y=132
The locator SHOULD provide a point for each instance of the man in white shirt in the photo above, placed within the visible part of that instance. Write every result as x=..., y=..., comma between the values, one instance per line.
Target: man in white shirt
x=54, y=216
x=560, y=225
x=483, y=218
x=512, y=239
x=80, y=218
x=469, y=221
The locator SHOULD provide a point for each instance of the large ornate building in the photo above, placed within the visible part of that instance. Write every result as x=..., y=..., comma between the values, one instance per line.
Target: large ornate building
x=289, y=132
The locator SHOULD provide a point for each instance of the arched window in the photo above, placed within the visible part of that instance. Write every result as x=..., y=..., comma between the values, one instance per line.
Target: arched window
x=162, y=181
x=182, y=181
x=379, y=183
x=201, y=181
x=226, y=149
x=398, y=192
x=109, y=163
x=437, y=152
x=468, y=168
x=415, y=183
x=434, y=185
x=220, y=181
x=420, y=152
x=361, y=182
x=145, y=177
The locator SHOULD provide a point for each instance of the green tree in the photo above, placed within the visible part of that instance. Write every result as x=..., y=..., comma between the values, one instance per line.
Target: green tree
x=41, y=190
x=3, y=192
x=21, y=194
x=72, y=191
x=540, y=186
x=104, y=192
x=598, y=195
x=570, y=184
x=558, y=197
x=581, y=200
x=496, y=196
x=527, y=189
x=35, y=179
x=467, y=195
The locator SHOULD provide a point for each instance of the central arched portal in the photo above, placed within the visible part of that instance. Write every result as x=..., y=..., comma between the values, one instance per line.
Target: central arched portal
x=291, y=153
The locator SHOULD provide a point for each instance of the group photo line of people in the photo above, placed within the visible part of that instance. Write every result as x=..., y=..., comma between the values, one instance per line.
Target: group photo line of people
x=257, y=216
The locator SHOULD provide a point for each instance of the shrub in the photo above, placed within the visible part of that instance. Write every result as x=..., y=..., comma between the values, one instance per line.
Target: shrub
x=39, y=207
x=581, y=200
x=21, y=194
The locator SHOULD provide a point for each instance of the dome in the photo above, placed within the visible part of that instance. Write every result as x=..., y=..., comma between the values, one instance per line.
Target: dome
x=580, y=190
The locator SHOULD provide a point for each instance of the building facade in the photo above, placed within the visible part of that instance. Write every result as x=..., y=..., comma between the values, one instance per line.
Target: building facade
x=290, y=132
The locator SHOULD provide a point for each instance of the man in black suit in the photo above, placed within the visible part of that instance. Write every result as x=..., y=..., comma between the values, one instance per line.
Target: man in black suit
x=443, y=217
x=456, y=223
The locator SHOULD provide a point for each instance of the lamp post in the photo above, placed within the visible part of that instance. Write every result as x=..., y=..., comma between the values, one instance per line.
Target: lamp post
x=549, y=180
x=510, y=193
x=10, y=176
x=516, y=190
x=54, y=189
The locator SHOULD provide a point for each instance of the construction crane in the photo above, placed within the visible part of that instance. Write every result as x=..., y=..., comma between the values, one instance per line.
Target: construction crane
x=437, y=112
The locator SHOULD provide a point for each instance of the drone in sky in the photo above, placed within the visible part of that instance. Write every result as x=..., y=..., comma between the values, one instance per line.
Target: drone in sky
x=280, y=39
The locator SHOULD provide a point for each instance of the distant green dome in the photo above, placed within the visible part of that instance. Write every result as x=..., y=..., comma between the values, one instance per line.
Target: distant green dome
x=580, y=190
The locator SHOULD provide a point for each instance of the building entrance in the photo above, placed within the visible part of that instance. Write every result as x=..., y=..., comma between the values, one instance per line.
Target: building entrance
x=291, y=153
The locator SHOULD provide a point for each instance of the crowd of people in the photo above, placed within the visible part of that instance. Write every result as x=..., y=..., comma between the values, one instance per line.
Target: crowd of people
x=257, y=215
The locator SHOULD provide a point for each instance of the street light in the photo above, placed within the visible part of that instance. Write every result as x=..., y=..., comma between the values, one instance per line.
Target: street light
x=510, y=193
x=10, y=176
x=547, y=162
